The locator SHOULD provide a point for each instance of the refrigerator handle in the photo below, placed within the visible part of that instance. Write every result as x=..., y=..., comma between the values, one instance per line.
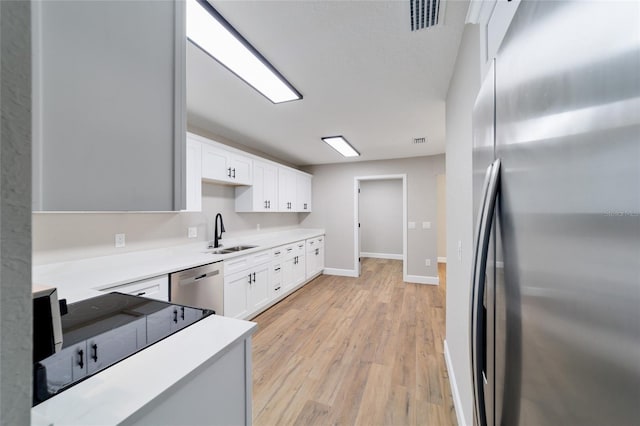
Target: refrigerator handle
x=481, y=248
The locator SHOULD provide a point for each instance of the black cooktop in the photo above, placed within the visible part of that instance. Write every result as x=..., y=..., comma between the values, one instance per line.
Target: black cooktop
x=104, y=330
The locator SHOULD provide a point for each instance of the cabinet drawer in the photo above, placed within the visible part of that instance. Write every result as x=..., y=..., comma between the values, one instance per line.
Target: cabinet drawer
x=237, y=264
x=153, y=288
x=261, y=257
x=242, y=263
x=278, y=253
x=314, y=243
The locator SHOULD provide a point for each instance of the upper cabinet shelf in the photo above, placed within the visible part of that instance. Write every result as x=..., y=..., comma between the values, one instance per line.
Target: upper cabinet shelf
x=109, y=116
x=261, y=185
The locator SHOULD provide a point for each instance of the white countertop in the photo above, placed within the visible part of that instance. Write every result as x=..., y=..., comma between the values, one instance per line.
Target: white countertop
x=82, y=279
x=118, y=392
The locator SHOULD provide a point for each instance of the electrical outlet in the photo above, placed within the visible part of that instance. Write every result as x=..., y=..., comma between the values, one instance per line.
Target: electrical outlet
x=459, y=250
x=193, y=232
x=427, y=262
x=411, y=225
x=120, y=241
x=257, y=227
x=426, y=225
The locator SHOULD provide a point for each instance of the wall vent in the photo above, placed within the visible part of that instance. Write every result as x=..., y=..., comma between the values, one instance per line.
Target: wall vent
x=419, y=140
x=424, y=13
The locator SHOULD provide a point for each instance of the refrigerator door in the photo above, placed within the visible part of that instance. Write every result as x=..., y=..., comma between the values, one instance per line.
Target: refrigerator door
x=568, y=135
x=482, y=306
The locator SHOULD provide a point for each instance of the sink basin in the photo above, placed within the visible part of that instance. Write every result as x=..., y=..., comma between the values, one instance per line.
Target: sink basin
x=219, y=251
x=239, y=248
x=227, y=250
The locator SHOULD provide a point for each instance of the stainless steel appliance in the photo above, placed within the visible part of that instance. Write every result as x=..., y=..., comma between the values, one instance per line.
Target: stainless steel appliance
x=556, y=169
x=102, y=331
x=201, y=287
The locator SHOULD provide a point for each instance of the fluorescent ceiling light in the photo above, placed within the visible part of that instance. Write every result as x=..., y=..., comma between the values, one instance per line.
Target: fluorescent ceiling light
x=208, y=30
x=341, y=145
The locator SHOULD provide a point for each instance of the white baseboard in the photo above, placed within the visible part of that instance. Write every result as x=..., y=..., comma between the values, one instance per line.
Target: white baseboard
x=420, y=279
x=457, y=402
x=340, y=272
x=442, y=259
x=382, y=255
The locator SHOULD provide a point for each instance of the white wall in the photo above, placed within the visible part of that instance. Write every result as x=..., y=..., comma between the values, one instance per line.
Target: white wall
x=333, y=202
x=463, y=90
x=441, y=183
x=381, y=217
x=60, y=237
x=15, y=218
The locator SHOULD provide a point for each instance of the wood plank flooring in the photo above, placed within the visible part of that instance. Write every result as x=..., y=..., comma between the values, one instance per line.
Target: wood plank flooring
x=346, y=351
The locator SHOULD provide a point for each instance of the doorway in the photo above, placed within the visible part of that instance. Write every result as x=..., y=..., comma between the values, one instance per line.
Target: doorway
x=357, y=218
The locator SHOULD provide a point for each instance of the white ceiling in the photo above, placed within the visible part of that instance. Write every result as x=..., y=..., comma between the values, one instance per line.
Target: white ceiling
x=363, y=74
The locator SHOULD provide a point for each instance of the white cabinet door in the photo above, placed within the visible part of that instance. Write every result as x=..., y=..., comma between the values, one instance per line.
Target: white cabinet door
x=288, y=273
x=241, y=169
x=216, y=163
x=259, y=288
x=159, y=324
x=194, y=175
x=261, y=196
x=221, y=165
x=110, y=347
x=299, y=269
x=286, y=190
x=303, y=192
x=235, y=295
x=68, y=365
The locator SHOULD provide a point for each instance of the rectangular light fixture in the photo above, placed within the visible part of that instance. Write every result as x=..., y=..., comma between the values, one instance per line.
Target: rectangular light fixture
x=208, y=30
x=340, y=144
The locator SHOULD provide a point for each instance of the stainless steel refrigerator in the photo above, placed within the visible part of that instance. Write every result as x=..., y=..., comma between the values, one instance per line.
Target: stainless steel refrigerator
x=555, y=331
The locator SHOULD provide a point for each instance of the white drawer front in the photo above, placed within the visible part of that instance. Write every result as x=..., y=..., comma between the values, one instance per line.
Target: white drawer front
x=153, y=288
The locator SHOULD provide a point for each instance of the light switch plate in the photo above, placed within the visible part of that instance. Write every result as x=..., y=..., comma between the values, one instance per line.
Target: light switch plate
x=426, y=225
x=120, y=240
x=193, y=232
x=411, y=225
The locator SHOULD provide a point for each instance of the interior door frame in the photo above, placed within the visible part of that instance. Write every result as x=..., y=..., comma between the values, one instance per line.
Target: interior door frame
x=356, y=219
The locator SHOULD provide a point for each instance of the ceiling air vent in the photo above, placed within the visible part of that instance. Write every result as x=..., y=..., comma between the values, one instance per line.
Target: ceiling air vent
x=424, y=13
x=419, y=140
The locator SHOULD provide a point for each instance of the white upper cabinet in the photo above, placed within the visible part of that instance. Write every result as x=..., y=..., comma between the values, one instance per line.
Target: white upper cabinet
x=262, y=196
x=286, y=190
x=109, y=115
x=303, y=192
x=261, y=185
x=194, y=175
x=225, y=166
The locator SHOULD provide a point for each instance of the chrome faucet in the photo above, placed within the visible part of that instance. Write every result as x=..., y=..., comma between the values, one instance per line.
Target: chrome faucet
x=217, y=236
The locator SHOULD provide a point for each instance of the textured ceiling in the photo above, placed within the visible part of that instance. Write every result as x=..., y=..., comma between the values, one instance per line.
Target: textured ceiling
x=362, y=72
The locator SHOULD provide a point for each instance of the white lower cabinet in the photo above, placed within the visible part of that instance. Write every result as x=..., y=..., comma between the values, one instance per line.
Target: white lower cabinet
x=254, y=282
x=258, y=294
x=293, y=265
x=315, y=256
x=247, y=290
x=235, y=295
x=107, y=348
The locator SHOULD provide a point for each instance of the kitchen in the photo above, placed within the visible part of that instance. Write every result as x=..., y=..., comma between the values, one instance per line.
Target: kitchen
x=67, y=237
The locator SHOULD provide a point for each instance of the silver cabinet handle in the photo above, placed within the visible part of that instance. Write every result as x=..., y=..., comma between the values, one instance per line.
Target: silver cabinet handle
x=481, y=243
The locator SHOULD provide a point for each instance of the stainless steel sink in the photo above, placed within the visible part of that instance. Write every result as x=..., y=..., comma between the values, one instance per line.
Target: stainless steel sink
x=239, y=248
x=227, y=250
x=219, y=251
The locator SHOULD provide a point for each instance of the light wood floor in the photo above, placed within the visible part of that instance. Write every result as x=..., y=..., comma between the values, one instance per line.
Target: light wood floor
x=348, y=351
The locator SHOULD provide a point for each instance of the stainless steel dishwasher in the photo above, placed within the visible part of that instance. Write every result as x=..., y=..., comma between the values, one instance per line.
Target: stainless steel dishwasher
x=201, y=287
